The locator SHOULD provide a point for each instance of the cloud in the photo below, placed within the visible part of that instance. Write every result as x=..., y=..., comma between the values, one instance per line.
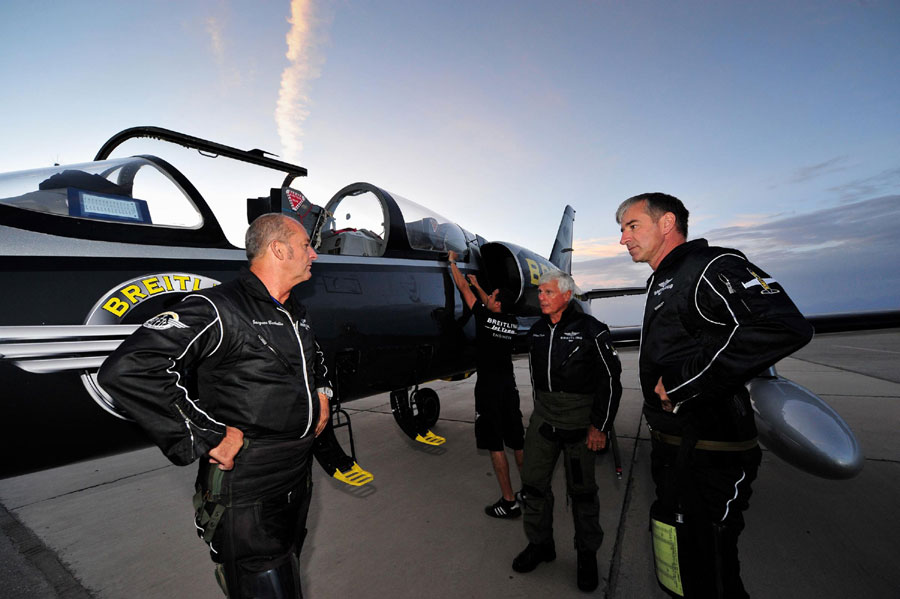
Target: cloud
x=806, y=173
x=304, y=66
x=884, y=181
x=840, y=259
x=602, y=247
x=614, y=271
x=850, y=225
x=213, y=27
x=216, y=28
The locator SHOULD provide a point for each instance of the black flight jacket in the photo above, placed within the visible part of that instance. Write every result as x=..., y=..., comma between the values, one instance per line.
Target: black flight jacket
x=712, y=321
x=576, y=355
x=226, y=355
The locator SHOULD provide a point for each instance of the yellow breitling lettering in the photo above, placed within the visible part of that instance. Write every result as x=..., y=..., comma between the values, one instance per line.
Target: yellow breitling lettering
x=116, y=306
x=132, y=292
x=182, y=281
x=152, y=285
x=119, y=301
x=534, y=269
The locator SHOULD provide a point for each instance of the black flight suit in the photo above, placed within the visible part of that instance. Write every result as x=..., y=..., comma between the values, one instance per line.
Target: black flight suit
x=232, y=355
x=711, y=323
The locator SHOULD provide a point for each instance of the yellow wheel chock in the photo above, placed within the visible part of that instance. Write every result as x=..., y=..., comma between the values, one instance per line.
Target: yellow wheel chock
x=431, y=439
x=355, y=476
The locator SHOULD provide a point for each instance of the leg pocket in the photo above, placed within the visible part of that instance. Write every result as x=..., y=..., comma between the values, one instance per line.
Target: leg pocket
x=244, y=533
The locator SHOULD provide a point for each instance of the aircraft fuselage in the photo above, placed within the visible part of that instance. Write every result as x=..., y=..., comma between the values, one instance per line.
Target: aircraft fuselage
x=383, y=324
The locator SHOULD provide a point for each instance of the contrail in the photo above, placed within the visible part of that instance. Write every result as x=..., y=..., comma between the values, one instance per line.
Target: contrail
x=214, y=29
x=293, y=101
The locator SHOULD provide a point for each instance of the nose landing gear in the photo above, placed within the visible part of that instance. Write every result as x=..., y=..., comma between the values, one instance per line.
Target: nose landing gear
x=416, y=413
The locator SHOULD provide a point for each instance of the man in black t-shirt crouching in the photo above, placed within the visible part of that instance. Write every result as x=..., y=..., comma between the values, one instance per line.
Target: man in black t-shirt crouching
x=498, y=420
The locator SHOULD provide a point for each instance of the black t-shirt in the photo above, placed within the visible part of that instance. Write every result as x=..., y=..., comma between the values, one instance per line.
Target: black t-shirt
x=494, y=336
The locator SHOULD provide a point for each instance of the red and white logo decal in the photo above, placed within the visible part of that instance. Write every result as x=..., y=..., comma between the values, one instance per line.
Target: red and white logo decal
x=295, y=198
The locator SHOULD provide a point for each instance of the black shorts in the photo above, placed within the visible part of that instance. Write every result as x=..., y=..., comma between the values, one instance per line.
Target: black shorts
x=498, y=420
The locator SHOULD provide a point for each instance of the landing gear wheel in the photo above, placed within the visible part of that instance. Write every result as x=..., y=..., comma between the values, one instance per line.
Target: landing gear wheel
x=427, y=406
x=416, y=413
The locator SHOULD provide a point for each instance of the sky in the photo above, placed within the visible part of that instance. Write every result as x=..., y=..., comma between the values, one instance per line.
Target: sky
x=777, y=123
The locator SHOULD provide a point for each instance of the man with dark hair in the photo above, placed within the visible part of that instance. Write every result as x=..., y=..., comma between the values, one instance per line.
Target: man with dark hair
x=658, y=204
x=498, y=419
x=575, y=376
x=233, y=376
x=712, y=321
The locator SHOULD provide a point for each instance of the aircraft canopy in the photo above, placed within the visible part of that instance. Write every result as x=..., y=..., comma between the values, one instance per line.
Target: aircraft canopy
x=122, y=190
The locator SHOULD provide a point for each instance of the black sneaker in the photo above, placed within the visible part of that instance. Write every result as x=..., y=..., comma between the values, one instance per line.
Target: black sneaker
x=587, y=571
x=533, y=555
x=503, y=509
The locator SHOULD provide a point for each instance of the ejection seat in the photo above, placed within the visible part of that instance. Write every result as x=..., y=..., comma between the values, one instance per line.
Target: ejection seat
x=351, y=242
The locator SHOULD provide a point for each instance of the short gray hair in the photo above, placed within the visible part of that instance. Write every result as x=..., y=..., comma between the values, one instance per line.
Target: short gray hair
x=564, y=281
x=264, y=230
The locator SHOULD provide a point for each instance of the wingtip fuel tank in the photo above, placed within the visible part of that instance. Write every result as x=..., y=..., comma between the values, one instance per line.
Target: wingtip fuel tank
x=800, y=428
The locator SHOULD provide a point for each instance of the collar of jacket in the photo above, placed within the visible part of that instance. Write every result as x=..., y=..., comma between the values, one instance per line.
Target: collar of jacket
x=253, y=286
x=568, y=314
x=678, y=253
x=258, y=291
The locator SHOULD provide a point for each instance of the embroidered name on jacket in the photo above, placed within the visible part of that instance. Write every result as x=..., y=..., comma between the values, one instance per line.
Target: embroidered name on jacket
x=268, y=322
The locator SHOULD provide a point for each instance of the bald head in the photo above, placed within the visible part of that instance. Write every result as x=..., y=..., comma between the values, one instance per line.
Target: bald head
x=266, y=229
x=280, y=253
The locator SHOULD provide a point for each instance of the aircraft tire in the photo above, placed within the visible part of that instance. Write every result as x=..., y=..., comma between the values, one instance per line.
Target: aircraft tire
x=428, y=406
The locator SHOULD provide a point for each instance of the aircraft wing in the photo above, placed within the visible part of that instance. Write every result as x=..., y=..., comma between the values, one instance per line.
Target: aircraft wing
x=846, y=322
x=611, y=292
x=44, y=349
x=625, y=336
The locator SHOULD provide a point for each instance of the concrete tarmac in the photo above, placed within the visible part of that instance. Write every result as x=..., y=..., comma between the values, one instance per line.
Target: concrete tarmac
x=122, y=526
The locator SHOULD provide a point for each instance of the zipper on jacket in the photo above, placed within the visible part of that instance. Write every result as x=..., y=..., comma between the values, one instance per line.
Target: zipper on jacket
x=277, y=353
x=305, y=374
x=550, y=357
x=643, y=322
x=682, y=402
x=187, y=424
x=574, y=351
x=190, y=425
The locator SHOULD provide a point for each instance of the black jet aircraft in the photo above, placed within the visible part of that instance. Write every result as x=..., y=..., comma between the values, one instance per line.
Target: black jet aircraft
x=90, y=251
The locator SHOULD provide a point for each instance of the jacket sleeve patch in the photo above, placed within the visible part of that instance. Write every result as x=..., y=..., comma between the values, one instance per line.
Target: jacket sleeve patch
x=166, y=320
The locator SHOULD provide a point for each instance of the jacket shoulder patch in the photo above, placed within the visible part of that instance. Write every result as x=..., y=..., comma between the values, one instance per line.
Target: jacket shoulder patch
x=166, y=320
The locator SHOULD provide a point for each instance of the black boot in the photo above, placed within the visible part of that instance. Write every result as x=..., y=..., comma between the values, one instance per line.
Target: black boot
x=587, y=571
x=533, y=555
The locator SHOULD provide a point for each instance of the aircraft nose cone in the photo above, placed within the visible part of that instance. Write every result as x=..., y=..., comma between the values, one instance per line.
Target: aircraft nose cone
x=800, y=428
